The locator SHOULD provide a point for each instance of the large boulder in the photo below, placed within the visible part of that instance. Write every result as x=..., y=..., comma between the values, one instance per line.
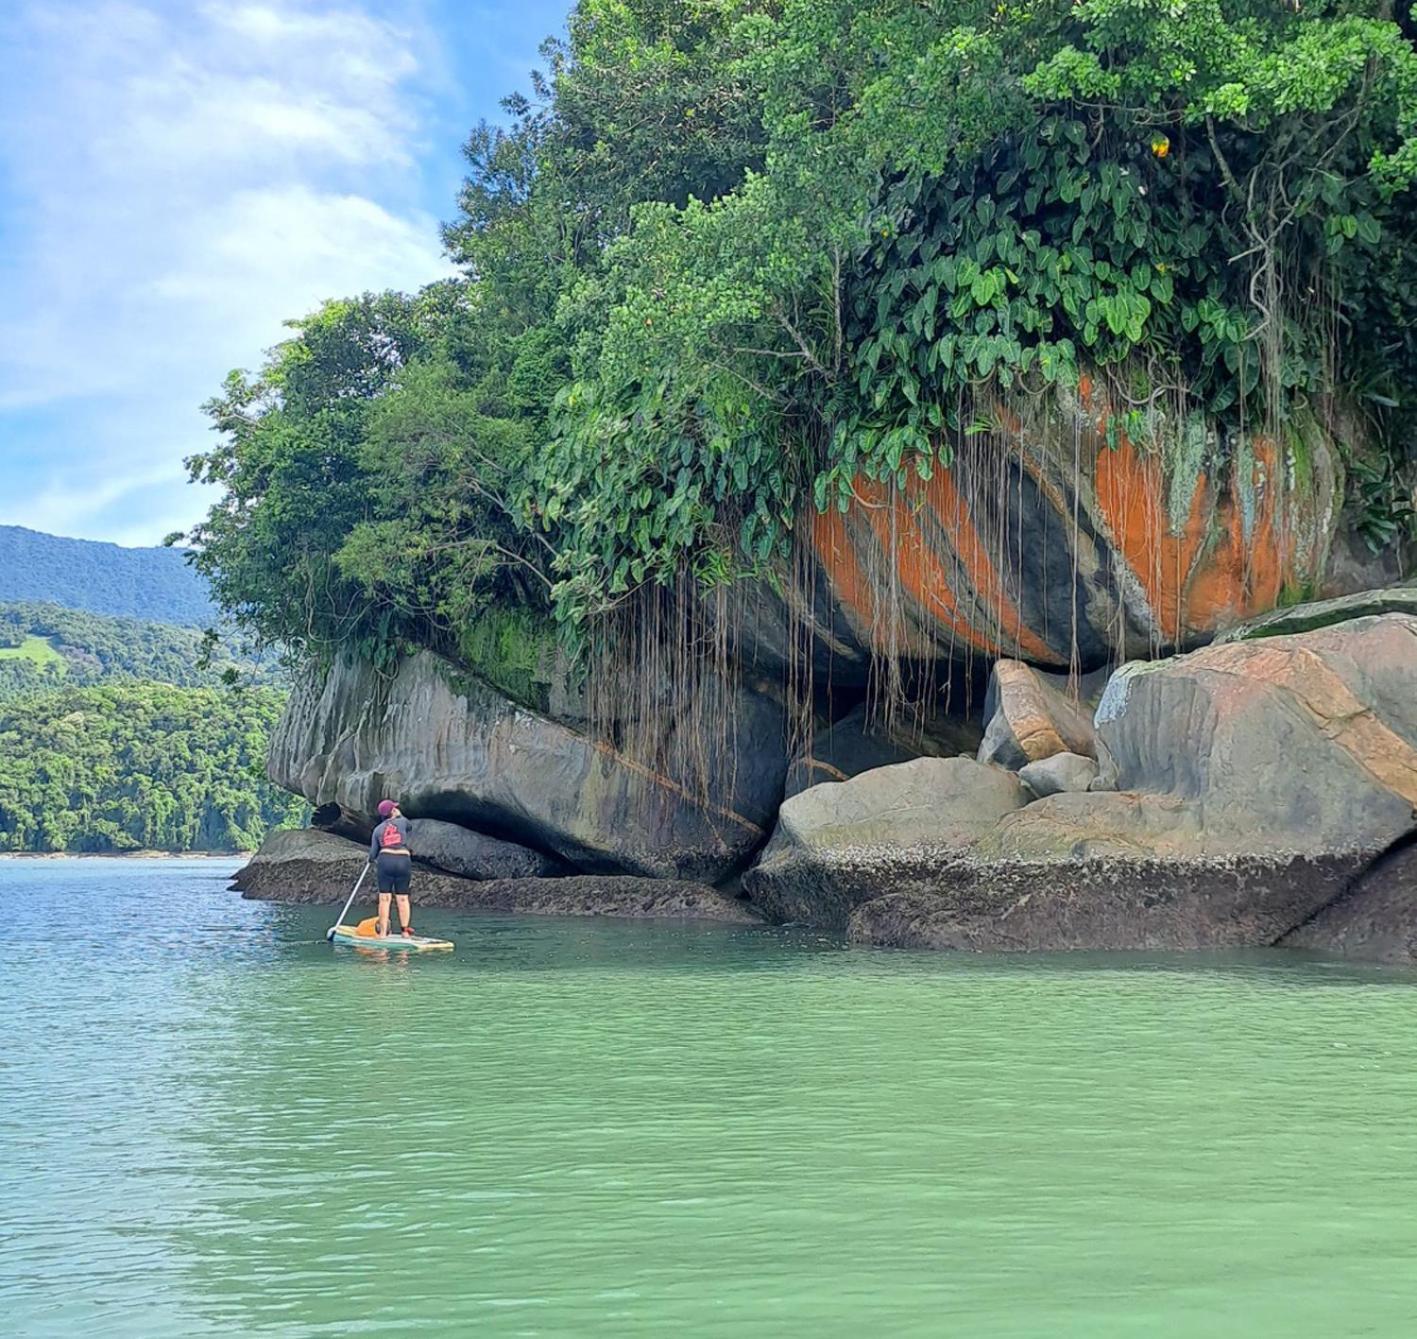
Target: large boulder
x=1033, y=715
x=1059, y=774
x=1256, y=781
x=844, y=842
x=682, y=795
x=1302, y=744
x=1054, y=538
x=306, y=861
x=1294, y=618
x=474, y=855
x=304, y=865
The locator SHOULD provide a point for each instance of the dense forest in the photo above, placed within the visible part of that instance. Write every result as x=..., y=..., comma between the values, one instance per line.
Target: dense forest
x=120, y=734
x=46, y=645
x=157, y=584
x=127, y=766
x=730, y=261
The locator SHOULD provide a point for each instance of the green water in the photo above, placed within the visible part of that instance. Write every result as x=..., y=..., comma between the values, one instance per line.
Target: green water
x=213, y=1123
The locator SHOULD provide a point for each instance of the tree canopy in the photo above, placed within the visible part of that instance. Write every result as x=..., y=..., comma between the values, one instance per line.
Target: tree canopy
x=126, y=766
x=732, y=257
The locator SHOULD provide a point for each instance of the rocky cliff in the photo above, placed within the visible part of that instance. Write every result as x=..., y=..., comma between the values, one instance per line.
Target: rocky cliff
x=1260, y=790
x=1246, y=792
x=451, y=748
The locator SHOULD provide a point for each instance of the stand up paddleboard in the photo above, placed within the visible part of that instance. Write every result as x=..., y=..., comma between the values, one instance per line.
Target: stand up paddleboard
x=350, y=935
x=347, y=934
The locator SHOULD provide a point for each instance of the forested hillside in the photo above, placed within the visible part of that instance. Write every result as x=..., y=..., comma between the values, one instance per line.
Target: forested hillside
x=155, y=584
x=120, y=733
x=121, y=767
x=46, y=645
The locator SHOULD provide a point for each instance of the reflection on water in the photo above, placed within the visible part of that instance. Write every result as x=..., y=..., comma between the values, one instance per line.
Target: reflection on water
x=215, y=1123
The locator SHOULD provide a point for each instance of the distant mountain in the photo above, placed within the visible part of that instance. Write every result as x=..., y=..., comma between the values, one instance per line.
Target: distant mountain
x=151, y=584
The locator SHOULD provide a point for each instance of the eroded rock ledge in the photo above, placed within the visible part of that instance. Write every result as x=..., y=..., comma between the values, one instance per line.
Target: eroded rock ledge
x=1117, y=903
x=309, y=866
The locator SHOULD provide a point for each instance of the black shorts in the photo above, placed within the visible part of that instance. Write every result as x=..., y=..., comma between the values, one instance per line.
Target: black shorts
x=394, y=872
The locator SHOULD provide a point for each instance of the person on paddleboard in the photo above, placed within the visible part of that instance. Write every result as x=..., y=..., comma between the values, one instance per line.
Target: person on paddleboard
x=393, y=862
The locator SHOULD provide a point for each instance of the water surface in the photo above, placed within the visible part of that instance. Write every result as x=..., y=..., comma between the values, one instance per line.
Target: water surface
x=212, y=1123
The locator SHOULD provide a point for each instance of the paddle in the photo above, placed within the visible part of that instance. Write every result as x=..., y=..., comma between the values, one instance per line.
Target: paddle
x=359, y=883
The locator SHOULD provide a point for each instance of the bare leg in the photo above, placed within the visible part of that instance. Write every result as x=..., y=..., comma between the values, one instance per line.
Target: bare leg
x=382, y=928
x=402, y=900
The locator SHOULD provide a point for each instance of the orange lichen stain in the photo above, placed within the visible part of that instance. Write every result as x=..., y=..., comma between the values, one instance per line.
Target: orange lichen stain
x=930, y=579
x=1241, y=577
x=901, y=546
x=1131, y=494
x=977, y=558
x=859, y=596
x=920, y=572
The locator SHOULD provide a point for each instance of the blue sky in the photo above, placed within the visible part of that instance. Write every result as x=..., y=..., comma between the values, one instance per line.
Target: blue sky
x=179, y=176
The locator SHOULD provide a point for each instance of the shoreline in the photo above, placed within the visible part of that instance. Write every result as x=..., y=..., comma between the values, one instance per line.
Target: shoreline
x=126, y=855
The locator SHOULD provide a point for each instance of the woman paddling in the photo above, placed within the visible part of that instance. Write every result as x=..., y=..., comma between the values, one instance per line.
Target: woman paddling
x=393, y=862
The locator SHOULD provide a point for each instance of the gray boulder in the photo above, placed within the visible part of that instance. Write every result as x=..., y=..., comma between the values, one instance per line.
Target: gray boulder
x=1061, y=773
x=312, y=865
x=474, y=855
x=319, y=867
x=1257, y=781
x=304, y=865
x=840, y=844
x=690, y=793
x=1299, y=743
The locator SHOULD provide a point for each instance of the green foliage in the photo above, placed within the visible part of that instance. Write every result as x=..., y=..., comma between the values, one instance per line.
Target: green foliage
x=740, y=255
x=960, y=200
x=1382, y=508
x=47, y=642
x=514, y=650
x=364, y=472
x=120, y=767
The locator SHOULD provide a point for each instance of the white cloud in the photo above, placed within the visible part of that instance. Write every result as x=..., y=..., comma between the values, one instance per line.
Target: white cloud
x=176, y=180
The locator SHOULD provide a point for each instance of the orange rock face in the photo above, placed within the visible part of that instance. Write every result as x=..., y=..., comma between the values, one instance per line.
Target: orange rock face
x=1056, y=541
